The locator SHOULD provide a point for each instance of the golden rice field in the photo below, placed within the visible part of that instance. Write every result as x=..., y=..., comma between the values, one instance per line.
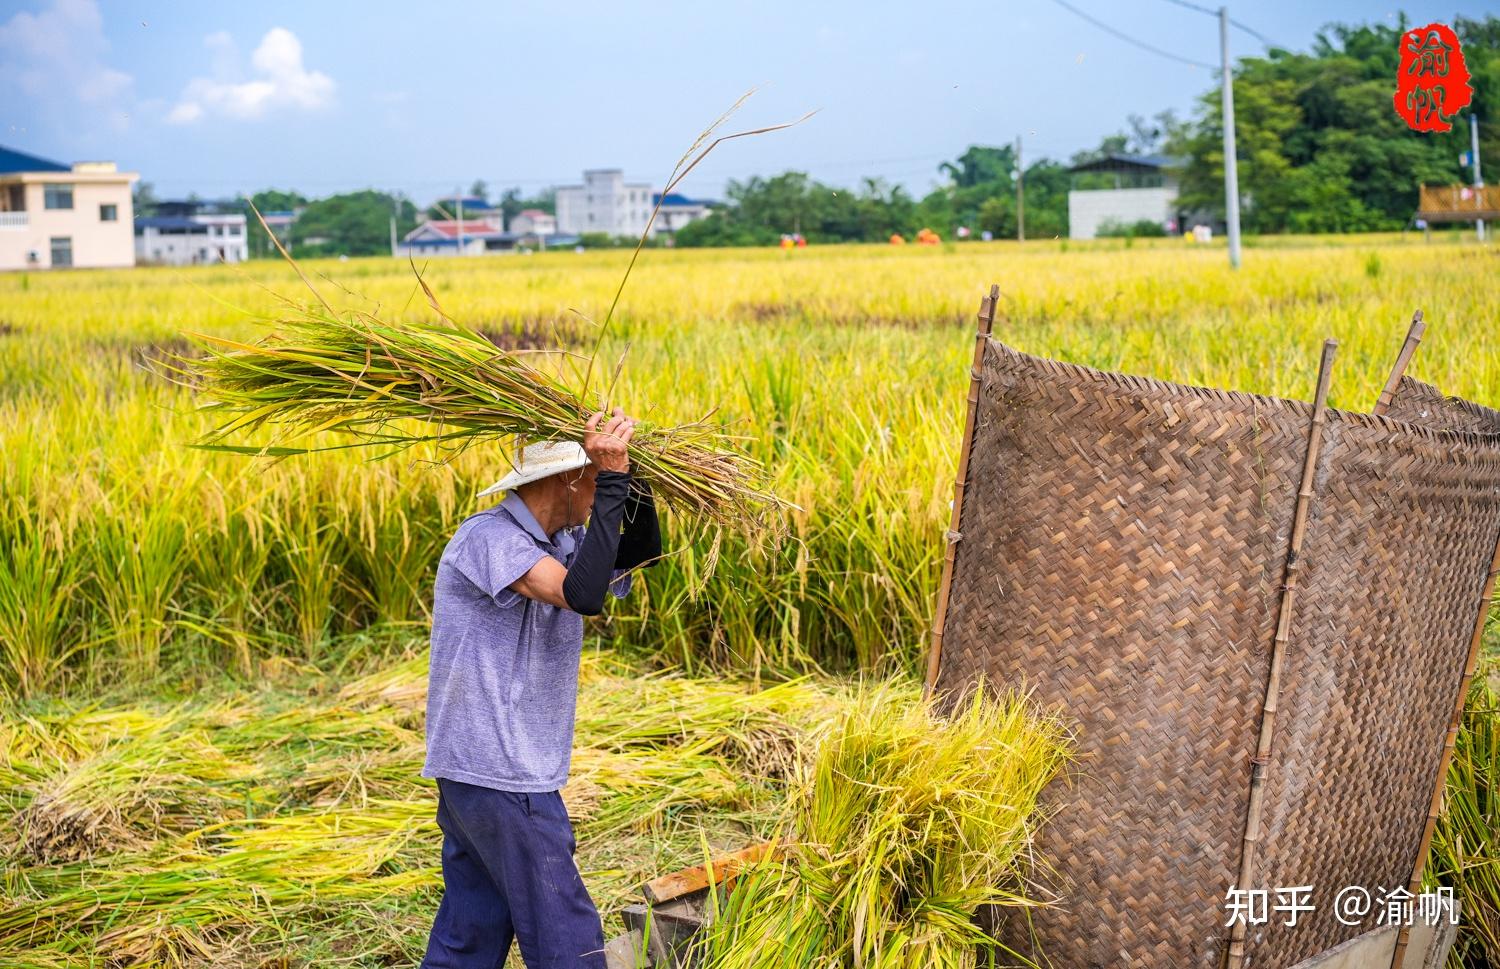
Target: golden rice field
x=211, y=665
x=843, y=368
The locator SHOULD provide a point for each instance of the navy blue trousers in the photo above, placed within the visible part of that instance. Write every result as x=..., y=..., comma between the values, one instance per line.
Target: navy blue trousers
x=508, y=873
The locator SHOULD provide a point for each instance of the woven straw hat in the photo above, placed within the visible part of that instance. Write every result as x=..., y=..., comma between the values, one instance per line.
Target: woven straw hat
x=539, y=461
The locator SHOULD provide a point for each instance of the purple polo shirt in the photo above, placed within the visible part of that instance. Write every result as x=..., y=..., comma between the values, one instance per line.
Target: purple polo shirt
x=503, y=684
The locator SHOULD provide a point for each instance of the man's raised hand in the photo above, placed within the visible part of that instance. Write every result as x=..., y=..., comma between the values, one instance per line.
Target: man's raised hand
x=606, y=446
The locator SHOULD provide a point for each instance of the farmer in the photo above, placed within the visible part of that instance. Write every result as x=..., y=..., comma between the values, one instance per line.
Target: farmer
x=512, y=589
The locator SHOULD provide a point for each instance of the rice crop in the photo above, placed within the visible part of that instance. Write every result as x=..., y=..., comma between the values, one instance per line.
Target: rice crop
x=905, y=826
x=192, y=772
x=841, y=369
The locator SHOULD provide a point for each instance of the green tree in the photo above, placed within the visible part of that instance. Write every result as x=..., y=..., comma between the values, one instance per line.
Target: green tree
x=1319, y=145
x=980, y=166
x=761, y=210
x=353, y=224
x=276, y=200
x=997, y=215
x=1047, y=185
x=143, y=199
x=980, y=194
x=267, y=201
x=512, y=202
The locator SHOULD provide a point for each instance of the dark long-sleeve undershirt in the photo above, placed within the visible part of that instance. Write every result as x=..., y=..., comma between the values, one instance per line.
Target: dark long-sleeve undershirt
x=593, y=565
x=640, y=542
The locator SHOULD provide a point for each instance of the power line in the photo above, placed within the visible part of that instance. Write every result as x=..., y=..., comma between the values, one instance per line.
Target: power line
x=1131, y=40
x=1245, y=27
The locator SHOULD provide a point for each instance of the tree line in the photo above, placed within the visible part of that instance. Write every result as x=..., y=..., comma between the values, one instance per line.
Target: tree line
x=1318, y=143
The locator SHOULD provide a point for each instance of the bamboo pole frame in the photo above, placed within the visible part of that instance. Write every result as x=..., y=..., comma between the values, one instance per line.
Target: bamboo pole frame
x=1235, y=952
x=1471, y=664
x=1435, y=805
x=953, y=537
x=1408, y=347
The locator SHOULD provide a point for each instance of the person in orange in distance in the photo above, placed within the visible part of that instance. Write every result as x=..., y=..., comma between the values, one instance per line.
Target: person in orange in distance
x=897, y=239
x=801, y=241
x=786, y=242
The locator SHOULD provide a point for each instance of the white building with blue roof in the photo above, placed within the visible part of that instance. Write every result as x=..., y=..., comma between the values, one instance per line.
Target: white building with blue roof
x=192, y=233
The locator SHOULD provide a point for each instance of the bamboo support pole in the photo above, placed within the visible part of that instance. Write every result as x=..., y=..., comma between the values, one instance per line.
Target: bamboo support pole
x=1235, y=954
x=1435, y=804
x=1409, y=347
x=952, y=537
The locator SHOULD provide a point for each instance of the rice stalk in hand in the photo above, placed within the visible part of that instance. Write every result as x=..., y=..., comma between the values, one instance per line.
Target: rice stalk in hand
x=904, y=827
x=356, y=374
x=369, y=379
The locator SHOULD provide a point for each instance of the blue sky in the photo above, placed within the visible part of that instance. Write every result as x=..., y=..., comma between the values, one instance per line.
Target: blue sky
x=423, y=97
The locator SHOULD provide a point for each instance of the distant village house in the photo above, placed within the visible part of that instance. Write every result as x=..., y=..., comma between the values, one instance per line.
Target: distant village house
x=467, y=206
x=450, y=237
x=676, y=212
x=534, y=222
x=191, y=233
x=55, y=216
x=280, y=223
x=472, y=226
x=1137, y=188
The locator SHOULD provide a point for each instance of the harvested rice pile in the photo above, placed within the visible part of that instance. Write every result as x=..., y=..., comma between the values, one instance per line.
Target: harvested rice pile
x=292, y=822
x=903, y=828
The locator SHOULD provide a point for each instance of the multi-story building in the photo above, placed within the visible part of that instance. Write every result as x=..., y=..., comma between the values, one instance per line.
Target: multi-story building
x=606, y=203
x=190, y=233
x=53, y=216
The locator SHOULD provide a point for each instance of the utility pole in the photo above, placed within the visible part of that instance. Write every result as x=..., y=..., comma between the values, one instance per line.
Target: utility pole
x=1474, y=157
x=1231, y=172
x=458, y=198
x=395, y=211
x=1020, y=194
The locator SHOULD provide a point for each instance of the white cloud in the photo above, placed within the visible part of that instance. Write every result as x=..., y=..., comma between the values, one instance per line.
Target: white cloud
x=279, y=80
x=56, y=57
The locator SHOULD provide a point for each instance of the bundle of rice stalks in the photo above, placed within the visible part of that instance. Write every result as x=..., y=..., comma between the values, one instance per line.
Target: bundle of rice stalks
x=394, y=385
x=904, y=827
x=361, y=376
x=1466, y=843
